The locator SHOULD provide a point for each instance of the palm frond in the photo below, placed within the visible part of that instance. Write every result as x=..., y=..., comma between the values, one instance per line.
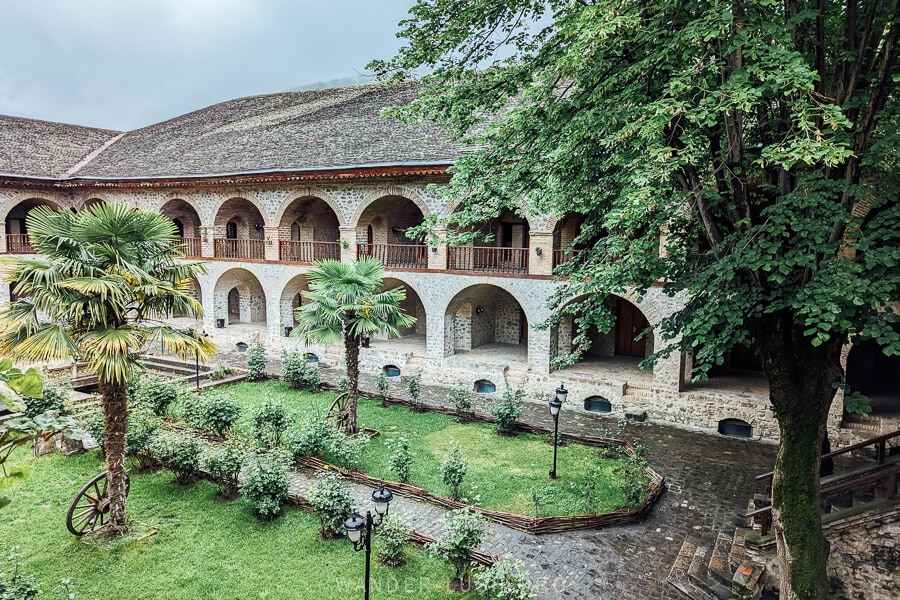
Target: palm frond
x=49, y=341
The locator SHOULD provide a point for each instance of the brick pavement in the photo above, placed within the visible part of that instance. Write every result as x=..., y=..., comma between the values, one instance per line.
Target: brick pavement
x=709, y=479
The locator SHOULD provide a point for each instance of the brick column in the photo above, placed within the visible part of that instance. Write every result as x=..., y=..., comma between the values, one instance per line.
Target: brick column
x=348, y=244
x=438, y=260
x=540, y=264
x=207, y=246
x=271, y=235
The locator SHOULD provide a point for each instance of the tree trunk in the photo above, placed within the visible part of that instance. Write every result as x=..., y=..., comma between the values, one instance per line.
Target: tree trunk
x=801, y=379
x=351, y=349
x=115, y=425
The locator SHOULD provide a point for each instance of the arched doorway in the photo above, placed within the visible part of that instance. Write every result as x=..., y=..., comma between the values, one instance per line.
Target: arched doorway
x=187, y=222
x=291, y=299
x=500, y=246
x=567, y=229
x=487, y=318
x=17, y=241
x=239, y=298
x=313, y=229
x=384, y=224
x=240, y=228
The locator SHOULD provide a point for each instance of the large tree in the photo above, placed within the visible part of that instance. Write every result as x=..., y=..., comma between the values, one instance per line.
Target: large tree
x=758, y=139
x=345, y=301
x=99, y=291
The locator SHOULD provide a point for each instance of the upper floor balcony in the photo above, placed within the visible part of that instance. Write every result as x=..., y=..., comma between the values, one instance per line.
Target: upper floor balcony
x=487, y=259
x=240, y=249
x=396, y=256
x=308, y=252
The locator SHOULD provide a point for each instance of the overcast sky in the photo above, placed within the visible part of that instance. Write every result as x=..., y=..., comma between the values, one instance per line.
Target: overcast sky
x=122, y=64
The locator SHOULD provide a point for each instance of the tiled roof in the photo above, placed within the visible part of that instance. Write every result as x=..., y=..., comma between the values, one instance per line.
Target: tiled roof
x=292, y=131
x=43, y=149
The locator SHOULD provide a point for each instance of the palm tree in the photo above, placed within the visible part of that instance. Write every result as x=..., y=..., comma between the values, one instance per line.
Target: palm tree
x=98, y=292
x=344, y=304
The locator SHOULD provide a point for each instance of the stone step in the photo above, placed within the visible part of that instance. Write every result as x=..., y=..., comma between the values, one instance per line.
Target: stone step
x=718, y=566
x=738, y=555
x=698, y=571
x=679, y=578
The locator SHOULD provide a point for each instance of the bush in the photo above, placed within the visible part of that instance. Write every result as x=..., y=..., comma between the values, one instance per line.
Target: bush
x=54, y=398
x=93, y=425
x=331, y=501
x=505, y=580
x=153, y=392
x=179, y=453
x=266, y=483
x=400, y=460
x=215, y=412
x=343, y=383
x=311, y=438
x=453, y=470
x=220, y=372
x=393, y=535
x=298, y=373
x=461, y=533
x=143, y=426
x=461, y=397
x=414, y=387
x=507, y=410
x=588, y=488
x=346, y=450
x=269, y=424
x=383, y=385
x=223, y=463
x=256, y=362
x=635, y=482
x=15, y=582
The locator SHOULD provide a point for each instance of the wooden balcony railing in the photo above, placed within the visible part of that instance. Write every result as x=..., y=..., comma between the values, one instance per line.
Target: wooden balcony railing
x=246, y=249
x=486, y=259
x=308, y=252
x=190, y=246
x=18, y=243
x=397, y=256
x=561, y=256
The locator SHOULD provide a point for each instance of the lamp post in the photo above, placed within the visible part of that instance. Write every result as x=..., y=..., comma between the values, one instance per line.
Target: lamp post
x=555, y=405
x=359, y=528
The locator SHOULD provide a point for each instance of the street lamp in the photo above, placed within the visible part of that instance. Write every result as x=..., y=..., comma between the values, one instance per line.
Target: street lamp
x=359, y=528
x=555, y=405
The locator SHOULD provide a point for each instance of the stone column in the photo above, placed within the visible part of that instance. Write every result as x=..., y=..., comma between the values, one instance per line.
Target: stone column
x=271, y=235
x=540, y=264
x=539, y=350
x=207, y=240
x=348, y=244
x=438, y=260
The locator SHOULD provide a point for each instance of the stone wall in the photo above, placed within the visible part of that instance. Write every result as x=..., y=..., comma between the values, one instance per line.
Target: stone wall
x=865, y=556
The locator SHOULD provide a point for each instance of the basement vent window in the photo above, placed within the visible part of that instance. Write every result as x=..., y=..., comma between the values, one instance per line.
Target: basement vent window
x=735, y=428
x=241, y=347
x=483, y=386
x=391, y=371
x=597, y=404
x=311, y=358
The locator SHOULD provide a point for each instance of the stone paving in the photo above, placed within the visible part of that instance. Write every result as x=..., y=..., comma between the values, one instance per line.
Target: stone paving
x=709, y=479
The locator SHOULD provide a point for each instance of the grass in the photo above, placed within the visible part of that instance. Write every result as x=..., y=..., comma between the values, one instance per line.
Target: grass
x=201, y=548
x=502, y=471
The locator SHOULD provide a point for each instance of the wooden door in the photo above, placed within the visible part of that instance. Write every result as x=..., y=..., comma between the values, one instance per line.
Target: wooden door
x=629, y=323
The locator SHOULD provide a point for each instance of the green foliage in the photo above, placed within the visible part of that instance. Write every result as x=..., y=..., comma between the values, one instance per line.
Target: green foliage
x=461, y=532
x=400, y=461
x=266, y=483
x=311, y=438
x=589, y=487
x=342, y=383
x=92, y=423
x=414, y=388
x=461, y=397
x=143, y=426
x=507, y=410
x=223, y=463
x=179, y=453
x=383, y=385
x=506, y=579
x=269, y=424
x=346, y=450
x=331, y=501
x=15, y=582
x=154, y=392
x=256, y=361
x=453, y=470
x=55, y=395
x=634, y=478
x=391, y=537
x=220, y=372
x=216, y=412
x=297, y=372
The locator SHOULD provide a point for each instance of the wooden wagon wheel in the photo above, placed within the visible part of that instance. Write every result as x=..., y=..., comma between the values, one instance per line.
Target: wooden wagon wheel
x=91, y=505
x=338, y=411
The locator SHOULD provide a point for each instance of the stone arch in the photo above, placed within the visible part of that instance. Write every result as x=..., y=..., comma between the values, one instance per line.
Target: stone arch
x=184, y=214
x=393, y=191
x=238, y=297
x=482, y=314
x=16, y=229
x=92, y=201
x=389, y=216
x=320, y=194
x=412, y=305
x=291, y=298
x=247, y=197
x=193, y=289
x=309, y=230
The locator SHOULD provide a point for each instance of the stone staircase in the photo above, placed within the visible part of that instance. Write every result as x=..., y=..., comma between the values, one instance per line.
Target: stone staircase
x=634, y=399
x=716, y=566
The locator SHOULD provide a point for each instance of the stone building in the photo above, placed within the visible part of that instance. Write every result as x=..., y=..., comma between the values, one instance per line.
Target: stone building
x=260, y=187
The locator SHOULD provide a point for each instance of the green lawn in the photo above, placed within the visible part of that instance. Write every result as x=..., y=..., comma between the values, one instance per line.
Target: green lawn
x=203, y=549
x=503, y=470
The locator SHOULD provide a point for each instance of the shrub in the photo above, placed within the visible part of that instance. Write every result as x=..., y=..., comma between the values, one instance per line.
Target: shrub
x=393, y=535
x=331, y=501
x=266, y=483
x=414, y=388
x=635, y=481
x=507, y=410
x=15, y=582
x=143, y=426
x=383, y=385
x=461, y=533
x=298, y=373
x=153, y=393
x=588, y=489
x=92, y=423
x=461, y=397
x=269, y=424
x=400, y=460
x=223, y=463
x=54, y=398
x=220, y=372
x=215, y=412
x=343, y=383
x=256, y=362
x=505, y=580
x=346, y=450
x=453, y=470
x=311, y=438
x=179, y=453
